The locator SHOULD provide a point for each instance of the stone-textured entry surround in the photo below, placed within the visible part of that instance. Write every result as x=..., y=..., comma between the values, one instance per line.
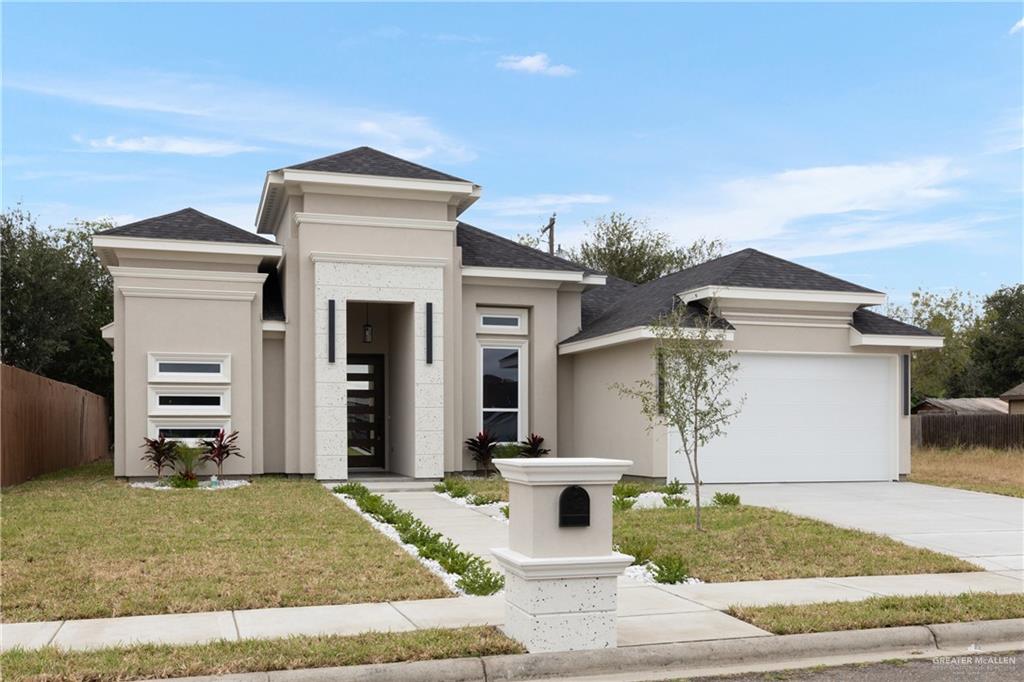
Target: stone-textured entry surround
x=393, y=282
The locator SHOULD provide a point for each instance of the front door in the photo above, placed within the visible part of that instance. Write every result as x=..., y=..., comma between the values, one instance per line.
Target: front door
x=366, y=411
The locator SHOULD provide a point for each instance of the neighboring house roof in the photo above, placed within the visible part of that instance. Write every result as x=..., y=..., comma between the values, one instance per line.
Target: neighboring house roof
x=643, y=304
x=1015, y=393
x=188, y=223
x=370, y=161
x=273, y=300
x=967, y=405
x=869, y=322
x=481, y=248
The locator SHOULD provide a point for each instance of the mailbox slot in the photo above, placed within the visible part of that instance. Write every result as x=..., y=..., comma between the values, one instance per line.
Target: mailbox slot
x=574, y=508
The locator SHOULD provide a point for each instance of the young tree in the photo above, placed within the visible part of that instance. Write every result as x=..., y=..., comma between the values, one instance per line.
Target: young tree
x=939, y=373
x=627, y=248
x=690, y=389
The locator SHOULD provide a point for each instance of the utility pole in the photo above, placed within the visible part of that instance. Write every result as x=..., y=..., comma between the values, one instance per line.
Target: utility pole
x=550, y=229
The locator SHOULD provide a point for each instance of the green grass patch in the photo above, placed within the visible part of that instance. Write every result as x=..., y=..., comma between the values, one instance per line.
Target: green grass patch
x=253, y=655
x=882, y=612
x=755, y=543
x=493, y=487
x=80, y=544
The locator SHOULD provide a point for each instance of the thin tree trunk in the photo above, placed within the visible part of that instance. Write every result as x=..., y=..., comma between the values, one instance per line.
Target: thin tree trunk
x=696, y=479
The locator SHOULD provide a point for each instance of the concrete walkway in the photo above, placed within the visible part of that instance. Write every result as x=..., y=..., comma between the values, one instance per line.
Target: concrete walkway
x=987, y=530
x=648, y=614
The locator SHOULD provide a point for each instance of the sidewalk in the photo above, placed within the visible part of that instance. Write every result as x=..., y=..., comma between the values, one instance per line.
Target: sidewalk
x=648, y=614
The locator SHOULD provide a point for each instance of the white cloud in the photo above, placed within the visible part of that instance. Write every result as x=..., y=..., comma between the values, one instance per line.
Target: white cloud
x=823, y=210
x=243, y=110
x=534, y=63
x=169, y=145
x=540, y=203
x=1018, y=27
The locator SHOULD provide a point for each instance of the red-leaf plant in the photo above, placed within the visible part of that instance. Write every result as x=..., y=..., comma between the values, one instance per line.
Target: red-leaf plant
x=533, y=446
x=160, y=453
x=481, y=446
x=220, y=448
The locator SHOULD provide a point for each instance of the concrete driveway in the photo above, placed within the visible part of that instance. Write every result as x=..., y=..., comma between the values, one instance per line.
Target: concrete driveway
x=987, y=530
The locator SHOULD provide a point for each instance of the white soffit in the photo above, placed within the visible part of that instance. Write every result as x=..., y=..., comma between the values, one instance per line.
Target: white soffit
x=186, y=246
x=625, y=336
x=784, y=295
x=895, y=340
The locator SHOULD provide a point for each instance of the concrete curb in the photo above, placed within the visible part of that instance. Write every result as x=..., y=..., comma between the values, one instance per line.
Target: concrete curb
x=656, y=657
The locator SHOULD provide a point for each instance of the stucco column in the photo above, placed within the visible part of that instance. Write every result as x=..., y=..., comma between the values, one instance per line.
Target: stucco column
x=560, y=571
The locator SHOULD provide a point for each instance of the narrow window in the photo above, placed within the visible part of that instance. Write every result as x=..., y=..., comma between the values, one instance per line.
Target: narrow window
x=905, y=384
x=660, y=369
x=189, y=367
x=181, y=432
x=499, y=321
x=190, y=400
x=501, y=382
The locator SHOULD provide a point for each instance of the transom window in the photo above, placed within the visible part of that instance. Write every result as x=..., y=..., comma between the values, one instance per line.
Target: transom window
x=502, y=320
x=502, y=390
x=187, y=433
x=189, y=367
x=188, y=430
x=189, y=399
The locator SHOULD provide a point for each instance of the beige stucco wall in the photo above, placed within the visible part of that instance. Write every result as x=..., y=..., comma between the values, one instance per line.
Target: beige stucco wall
x=209, y=312
x=1016, y=406
x=273, y=405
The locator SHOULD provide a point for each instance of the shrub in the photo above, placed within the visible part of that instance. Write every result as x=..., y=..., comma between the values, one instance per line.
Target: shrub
x=627, y=489
x=623, y=503
x=726, y=499
x=185, y=459
x=504, y=510
x=640, y=548
x=160, y=453
x=670, y=569
x=507, y=451
x=481, y=446
x=483, y=498
x=355, y=490
x=674, y=487
x=478, y=578
x=455, y=487
x=533, y=446
x=180, y=481
x=220, y=448
x=675, y=501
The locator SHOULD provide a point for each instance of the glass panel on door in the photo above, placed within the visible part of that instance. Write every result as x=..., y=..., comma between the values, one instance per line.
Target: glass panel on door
x=365, y=411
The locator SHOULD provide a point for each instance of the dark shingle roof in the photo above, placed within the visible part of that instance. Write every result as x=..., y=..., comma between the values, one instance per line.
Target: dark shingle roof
x=370, y=161
x=870, y=322
x=481, y=248
x=645, y=303
x=594, y=302
x=273, y=300
x=189, y=224
x=1015, y=392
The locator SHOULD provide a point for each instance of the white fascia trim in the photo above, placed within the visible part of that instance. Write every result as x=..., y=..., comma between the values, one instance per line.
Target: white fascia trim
x=169, y=273
x=378, y=181
x=107, y=334
x=595, y=280
x=791, y=295
x=901, y=341
x=334, y=257
x=625, y=336
x=273, y=326
x=197, y=294
x=187, y=246
x=523, y=273
x=375, y=221
x=532, y=568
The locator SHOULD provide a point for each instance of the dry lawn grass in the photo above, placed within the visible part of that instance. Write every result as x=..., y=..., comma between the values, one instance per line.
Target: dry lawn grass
x=983, y=469
x=755, y=543
x=220, y=658
x=80, y=544
x=882, y=612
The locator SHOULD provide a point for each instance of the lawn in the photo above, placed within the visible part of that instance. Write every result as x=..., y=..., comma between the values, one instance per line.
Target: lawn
x=983, y=469
x=253, y=655
x=882, y=612
x=80, y=544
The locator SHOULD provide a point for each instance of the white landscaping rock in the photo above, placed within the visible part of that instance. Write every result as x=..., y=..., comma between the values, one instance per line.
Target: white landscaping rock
x=493, y=510
x=204, y=485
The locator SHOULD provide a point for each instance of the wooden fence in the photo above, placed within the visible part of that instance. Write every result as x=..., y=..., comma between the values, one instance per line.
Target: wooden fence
x=47, y=425
x=955, y=430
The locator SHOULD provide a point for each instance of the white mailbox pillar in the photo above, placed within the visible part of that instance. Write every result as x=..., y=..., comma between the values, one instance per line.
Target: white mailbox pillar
x=560, y=571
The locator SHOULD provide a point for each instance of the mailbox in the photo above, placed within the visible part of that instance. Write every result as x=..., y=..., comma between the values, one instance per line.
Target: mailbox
x=574, y=508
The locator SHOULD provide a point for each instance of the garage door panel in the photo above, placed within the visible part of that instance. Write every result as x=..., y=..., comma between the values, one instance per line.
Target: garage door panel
x=806, y=418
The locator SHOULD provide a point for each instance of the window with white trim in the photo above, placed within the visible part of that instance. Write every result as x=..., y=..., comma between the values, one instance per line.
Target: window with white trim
x=502, y=320
x=188, y=431
x=503, y=372
x=189, y=399
x=190, y=367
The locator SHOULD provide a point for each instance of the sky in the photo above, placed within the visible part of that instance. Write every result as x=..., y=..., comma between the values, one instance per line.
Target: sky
x=878, y=143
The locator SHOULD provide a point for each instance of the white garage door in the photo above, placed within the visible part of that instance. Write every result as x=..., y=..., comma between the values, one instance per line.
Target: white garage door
x=806, y=418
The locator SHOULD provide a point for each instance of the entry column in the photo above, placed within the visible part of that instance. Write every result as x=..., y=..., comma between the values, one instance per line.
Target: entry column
x=561, y=588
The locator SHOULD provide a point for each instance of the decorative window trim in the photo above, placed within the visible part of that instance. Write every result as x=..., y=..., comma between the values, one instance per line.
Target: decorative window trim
x=521, y=328
x=221, y=377
x=157, y=423
x=523, y=411
x=157, y=390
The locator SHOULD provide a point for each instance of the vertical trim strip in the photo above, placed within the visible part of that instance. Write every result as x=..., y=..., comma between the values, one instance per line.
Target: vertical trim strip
x=430, y=333
x=330, y=330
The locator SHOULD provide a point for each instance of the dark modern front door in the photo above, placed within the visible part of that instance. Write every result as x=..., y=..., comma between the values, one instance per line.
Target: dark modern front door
x=366, y=411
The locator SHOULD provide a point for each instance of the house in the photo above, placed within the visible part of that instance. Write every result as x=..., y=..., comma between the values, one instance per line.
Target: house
x=367, y=328
x=1014, y=399
x=961, y=406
